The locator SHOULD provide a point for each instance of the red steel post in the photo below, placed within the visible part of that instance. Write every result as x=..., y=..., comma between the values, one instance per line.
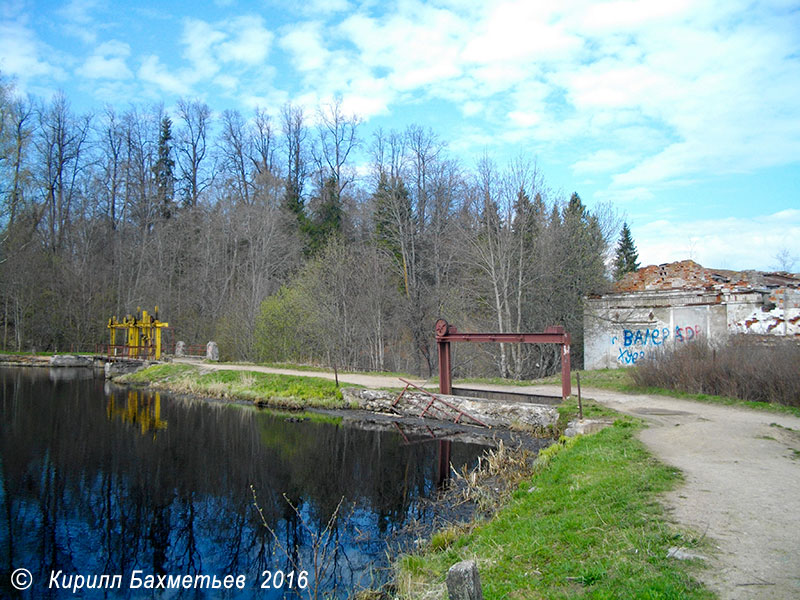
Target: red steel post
x=551, y=335
x=566, y=380
x=445, y=385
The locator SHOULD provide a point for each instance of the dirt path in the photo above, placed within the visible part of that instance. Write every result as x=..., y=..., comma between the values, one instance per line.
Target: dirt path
x=369, y=381
x=742, y=488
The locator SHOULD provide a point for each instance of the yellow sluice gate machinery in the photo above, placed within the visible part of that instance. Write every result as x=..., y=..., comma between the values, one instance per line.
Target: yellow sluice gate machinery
x=142, y=335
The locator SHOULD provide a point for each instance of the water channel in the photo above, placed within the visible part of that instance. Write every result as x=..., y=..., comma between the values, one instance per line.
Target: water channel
x=103, y=480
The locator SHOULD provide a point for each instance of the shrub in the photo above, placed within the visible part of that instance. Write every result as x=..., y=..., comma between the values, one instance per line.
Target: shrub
x=748, y=367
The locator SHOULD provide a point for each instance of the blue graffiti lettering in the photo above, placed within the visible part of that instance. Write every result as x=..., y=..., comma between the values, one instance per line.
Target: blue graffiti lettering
x=628, y=357
x=656, y=337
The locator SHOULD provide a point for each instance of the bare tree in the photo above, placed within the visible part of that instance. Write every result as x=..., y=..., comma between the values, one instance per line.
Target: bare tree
x=60, y=145
x=235, y=149
x=294, y=138
x=337, y=140
x=784, y=260
x=192, y=148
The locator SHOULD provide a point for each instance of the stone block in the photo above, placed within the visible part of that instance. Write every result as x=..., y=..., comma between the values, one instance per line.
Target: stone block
x=463, y=581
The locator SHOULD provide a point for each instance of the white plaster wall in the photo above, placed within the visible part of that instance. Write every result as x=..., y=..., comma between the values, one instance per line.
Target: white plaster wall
x=780, y=316
x=623, y=329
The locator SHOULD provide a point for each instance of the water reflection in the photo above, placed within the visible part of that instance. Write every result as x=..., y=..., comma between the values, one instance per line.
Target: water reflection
x=139, y=409
x=107, y=483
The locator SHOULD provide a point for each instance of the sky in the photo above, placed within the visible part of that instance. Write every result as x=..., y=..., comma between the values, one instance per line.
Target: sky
x=684, y=115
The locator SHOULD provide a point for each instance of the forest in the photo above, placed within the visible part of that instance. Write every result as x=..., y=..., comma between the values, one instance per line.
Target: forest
x=284, y=235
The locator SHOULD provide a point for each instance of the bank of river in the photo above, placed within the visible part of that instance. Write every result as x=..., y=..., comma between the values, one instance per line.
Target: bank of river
x=585, y=521
x=101, y=479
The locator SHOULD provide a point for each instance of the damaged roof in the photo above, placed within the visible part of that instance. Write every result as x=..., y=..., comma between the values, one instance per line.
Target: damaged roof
x=688, y=275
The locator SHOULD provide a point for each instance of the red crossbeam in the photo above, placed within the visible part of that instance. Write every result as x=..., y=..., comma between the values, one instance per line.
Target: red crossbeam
x=505, y=338
x=446, y=333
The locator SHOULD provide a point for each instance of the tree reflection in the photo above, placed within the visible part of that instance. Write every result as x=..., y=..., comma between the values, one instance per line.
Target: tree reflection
x=96, y=483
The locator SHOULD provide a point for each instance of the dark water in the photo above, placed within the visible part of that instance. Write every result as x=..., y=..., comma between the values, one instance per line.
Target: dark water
x=99, y=480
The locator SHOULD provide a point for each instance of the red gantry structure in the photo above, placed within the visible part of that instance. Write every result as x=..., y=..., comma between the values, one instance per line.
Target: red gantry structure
x=446, y=333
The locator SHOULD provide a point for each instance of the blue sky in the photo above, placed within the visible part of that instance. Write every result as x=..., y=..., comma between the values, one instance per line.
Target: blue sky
x=684, y=114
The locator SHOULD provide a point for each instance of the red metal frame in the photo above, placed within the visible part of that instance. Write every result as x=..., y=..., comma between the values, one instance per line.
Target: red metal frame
x=446, y=333
x=433, y=399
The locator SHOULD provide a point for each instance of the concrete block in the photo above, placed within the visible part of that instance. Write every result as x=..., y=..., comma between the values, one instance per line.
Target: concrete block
x=463, y=581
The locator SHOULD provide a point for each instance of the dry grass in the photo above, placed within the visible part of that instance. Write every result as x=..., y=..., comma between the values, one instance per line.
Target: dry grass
x=498, y=472
x=745, y=367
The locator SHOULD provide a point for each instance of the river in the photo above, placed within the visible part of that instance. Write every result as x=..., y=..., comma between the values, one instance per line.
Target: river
x=122, y=493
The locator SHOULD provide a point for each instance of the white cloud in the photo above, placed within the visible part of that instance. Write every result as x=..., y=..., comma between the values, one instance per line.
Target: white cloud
x=520, y=31
x=601, y=161
x=199, y=40
x=304, y=44
x=607, y=17
x=732, y=243
x=316, y=8
x=250, y=41
x=154, y=72
x=22, y=55
x=77, y=19
x=108, y=62
x=223, y=53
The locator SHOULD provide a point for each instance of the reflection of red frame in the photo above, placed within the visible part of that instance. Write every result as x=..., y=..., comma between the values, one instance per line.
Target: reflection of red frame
x=446, y=333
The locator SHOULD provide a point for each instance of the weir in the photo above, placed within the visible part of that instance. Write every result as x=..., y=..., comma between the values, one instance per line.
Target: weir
x=142, y=336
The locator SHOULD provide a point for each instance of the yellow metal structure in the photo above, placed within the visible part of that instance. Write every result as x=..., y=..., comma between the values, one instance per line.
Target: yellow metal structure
x=142, y=335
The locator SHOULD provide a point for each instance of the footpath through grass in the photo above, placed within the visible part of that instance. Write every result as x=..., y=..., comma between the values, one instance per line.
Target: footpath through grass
x=620, y=380
x=587, y=524
x=280, y=391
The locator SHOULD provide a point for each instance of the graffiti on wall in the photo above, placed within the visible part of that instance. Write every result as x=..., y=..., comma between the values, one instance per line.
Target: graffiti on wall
x=634, y=344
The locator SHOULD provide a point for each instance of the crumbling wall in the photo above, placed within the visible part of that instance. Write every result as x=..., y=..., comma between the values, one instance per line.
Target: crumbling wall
x=623, y=329
x=777, y=314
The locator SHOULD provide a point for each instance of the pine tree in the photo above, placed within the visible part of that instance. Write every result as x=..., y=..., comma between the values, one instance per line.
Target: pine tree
x=164, y=169
x=328, y=218
x=626, y=259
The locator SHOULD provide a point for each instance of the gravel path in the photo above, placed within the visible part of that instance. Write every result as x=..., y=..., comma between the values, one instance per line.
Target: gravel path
x=742, y=489
x=742, y=480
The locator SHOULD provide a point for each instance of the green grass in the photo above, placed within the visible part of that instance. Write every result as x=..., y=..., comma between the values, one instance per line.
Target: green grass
x=568, y=410
x=323, y=369
x=587, y=524
x=619, y=380
x=281, y=391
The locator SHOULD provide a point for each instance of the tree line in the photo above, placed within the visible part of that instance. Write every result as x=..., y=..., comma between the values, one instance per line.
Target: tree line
x=284, y=236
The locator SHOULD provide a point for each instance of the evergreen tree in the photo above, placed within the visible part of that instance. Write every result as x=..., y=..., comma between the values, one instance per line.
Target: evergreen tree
x=393, y=214
x=164, y=169
x=328, y=218
x=627, y=256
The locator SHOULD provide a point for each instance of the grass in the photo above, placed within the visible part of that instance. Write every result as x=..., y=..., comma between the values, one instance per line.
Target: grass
x=280, y=391
x=323, y=369
x=586, y=524
x=568, y=410
x=620, y=380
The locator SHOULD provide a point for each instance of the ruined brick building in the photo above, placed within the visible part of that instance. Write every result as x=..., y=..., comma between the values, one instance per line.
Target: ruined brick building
x=678, y=303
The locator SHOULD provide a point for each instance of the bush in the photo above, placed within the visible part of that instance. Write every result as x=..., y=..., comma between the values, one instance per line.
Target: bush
x=747, y=367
